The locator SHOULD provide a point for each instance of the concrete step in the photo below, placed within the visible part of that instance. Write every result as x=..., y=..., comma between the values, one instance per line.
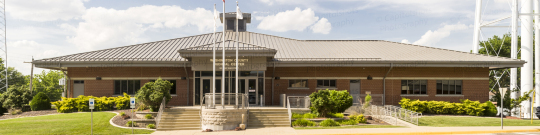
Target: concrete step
x=268, y=110
x=180, y=123
x=181, y=110
x=269, y=114
x=179, y=128
x=180, y=115
x=180, y=120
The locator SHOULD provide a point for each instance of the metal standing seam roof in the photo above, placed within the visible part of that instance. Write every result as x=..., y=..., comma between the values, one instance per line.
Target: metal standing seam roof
x=287, y=50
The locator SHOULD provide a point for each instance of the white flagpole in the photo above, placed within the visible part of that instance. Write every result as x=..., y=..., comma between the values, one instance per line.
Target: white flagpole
x=214, y=62
x=223, y=61
x=237, y=44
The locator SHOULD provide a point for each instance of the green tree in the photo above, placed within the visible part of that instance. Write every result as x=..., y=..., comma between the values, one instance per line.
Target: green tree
x=15, y=78
x=47, y=82
x=16, y=97
x=152, y=93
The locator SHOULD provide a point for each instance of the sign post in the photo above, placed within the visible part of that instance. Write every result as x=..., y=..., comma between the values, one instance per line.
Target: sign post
x=91, y=106
x=502, y=91
x=132, y=105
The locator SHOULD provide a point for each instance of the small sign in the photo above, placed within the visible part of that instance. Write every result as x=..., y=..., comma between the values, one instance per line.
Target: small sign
x=251, y=90
x=132, y=102
x=368, y=92
x=62, y=81
x=91, y=103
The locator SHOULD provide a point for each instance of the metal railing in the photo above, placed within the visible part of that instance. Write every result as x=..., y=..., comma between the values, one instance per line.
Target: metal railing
x=200, y=110
x=161, y=109
x=403, y=114
x=299, y=101
x=229, y=99
x=289, y=111
x=390, y=114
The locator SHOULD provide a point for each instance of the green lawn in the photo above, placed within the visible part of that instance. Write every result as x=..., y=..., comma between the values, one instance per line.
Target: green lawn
x=450, y=121
x=70, y=123
x=355, y=126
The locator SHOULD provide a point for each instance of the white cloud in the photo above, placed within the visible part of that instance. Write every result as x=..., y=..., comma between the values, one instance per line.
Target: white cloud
x=405, y=41
x=323, y=26
x=106, y=28
x=432, y=37
x=296, y=19
x=22, y=51
x=45, y=10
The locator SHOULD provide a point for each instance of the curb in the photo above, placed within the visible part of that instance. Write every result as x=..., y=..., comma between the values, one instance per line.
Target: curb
x=110, y=121
x=444, y=133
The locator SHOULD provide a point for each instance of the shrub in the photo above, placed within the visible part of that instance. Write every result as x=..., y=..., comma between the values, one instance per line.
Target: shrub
x=128, y=124
x=358, y=118
x=80, y=104
x=15, y=111
x=329, y=123
x=40, y=102
x=336, y=115
x=490, y=109
x=122, y=102
x=309, y=115
x=122, y=114
x=325, y=102
x=297, y=116
x=367, y=101
x=151, y=126
x=16, y=97
x=148, y=116
x=348, y=122
x=152, y=93
x=303, y=123
x=468, y=107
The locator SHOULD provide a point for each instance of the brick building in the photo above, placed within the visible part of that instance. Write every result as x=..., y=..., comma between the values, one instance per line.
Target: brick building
x=270, y=66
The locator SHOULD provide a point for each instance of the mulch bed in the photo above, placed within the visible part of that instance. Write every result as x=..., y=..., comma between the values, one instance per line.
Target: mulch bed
x=28, y=114
x=121, y=121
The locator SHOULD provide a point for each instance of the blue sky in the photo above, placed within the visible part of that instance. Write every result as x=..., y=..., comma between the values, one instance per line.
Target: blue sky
x=49, y=28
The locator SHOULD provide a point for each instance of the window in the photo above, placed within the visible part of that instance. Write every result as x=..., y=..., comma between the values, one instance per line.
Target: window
x=446, y=87
x=230, y=24
x=173, y=88
x=413, y=87
x=298, y=84
x=126, y=86
x=78, y=81
x=241, y=26
x=326, y=83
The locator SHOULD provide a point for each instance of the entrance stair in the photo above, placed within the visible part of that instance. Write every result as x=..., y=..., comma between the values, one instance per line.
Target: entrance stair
x=261, y=118
x=180, y=119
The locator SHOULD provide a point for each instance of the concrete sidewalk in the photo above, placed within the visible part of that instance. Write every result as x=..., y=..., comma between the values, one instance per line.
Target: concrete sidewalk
x=405, y=130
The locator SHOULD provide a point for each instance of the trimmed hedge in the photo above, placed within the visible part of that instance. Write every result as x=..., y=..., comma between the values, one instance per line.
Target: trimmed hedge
x=80, y=104
x=468, y=107
x=329, y=123
x=303, y=123
x=40, y=102
x=305, y=115
x=358, y=118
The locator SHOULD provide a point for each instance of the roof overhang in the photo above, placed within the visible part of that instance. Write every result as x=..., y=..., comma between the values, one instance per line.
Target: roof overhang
x=62, y=65
x=384, y=63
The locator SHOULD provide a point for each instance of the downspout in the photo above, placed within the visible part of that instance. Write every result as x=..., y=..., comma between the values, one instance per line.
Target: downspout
x=384, y=85
x=273, y=77
x=187, y=77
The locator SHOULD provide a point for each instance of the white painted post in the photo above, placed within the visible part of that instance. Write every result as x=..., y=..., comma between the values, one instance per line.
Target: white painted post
x=513, y=54
x=477, y=21
x=526, y=51
x=132, y=105
x=91, y=107
x=537, y=54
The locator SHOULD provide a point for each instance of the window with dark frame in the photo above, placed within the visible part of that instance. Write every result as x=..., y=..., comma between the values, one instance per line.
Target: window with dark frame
x=449, y=87
x=126, y=86
x=173, y=88
x=230, y=24
x=326, y=83
x=298, y=84
x=413, y=86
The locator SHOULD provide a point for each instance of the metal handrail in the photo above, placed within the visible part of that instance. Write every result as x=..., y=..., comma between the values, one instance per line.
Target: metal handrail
x=161, y=109
x=289, y=111
x=200, y=110
x=403, y=114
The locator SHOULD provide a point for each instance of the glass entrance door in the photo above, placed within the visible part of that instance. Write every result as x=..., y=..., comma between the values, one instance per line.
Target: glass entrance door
x=250, y=83
x=252, y=91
